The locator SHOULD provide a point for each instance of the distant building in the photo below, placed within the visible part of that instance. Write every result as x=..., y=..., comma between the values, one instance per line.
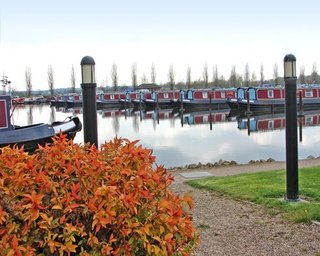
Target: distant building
x=149, y=86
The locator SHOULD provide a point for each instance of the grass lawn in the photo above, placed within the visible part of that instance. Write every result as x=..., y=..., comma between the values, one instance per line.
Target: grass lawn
x=269, y=188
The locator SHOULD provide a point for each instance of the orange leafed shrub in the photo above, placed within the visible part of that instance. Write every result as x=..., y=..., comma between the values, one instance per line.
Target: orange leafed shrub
x=70, y=199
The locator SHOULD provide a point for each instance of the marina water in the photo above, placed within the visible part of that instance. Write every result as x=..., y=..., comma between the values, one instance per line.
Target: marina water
x=180, y=140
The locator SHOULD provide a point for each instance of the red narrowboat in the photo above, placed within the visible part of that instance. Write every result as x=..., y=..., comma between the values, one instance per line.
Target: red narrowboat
x=139, y=103
x=162, y=99
x=127, y=101
x=59, y=101
x=18, y=100
x=74, y=100
x=109, y=100
x=208, y=98
x=269, y=98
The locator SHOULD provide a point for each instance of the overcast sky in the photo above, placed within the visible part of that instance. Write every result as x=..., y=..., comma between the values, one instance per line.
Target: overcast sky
x=37, y=34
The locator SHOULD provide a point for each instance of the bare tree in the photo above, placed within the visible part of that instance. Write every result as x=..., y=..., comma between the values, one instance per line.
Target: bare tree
x=275, y=74
x=253, y=78
x=233, y=77
x=114, y=76
x=215, y=76
x=246, y=77
x=51, y=80
x=144, y=79
x=205, y=75
x=134, y=76
x=171, y=75
x=28, y=81
x=261, y=74
x=153, y=74
x=302, y=76
x=188, y=81
x=73, y=80
x=314, y=74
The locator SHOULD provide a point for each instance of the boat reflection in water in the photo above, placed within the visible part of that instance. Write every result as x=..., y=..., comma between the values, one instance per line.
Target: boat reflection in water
x=189, y=117
x=271, y=122
x=205, y=117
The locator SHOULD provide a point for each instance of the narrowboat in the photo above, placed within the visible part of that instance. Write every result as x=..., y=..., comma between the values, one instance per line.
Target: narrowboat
x=266, y=98
x=35, y=100
x=208, y=98
x=240, y=95
x=269, y=122
x=59, y=101
x=162, y=99
x=108, y=100
x=74, y=100
x=32, y=135
x=139, y=103
x=17, y=100
x=127, y=100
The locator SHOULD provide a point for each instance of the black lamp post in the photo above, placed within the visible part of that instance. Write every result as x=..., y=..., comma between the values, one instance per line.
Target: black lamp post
x=290, y=80
x=89, y=103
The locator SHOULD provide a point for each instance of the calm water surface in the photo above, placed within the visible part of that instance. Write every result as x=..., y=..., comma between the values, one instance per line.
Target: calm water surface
x=177, y=141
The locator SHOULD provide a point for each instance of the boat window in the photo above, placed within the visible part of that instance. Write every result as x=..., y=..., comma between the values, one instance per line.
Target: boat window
x=205, y=95
x=165, y=95
x=271, y=124
x=223, y=95
x=309, y=120
x=270, y=94
x=252, y=94
x=111, y=97
x=309, y=93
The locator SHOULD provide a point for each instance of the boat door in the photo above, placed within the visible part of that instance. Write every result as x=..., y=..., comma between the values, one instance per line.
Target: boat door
x=252, y=93
x=189, y=95
x=241, y=93
x=182, y=94
x=154, y=95
x=5, y=113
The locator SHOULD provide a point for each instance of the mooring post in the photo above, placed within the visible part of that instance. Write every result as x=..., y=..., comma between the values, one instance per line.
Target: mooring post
x=248, y=103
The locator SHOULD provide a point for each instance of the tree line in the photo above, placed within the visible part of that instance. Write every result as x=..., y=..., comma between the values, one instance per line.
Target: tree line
x=235, y=79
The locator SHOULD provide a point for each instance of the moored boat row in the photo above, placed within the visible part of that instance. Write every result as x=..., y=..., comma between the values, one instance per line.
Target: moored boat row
x=270, y=98
x=192, y=98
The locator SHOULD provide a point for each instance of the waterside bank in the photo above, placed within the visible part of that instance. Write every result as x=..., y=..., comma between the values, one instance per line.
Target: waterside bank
x=235, y=227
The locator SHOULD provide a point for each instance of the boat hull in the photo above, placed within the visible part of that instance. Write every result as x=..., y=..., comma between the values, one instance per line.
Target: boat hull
x=204, y=104
x=152, y=104
x=108, y=104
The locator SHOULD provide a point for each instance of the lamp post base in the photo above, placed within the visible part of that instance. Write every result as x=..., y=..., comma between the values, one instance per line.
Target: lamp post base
x=295, y=200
